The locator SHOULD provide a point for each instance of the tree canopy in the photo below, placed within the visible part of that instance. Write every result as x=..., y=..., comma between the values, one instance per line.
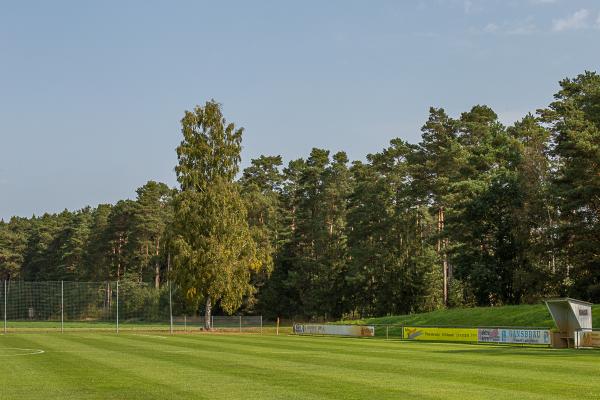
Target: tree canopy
x=213, y=248
x=475, y=213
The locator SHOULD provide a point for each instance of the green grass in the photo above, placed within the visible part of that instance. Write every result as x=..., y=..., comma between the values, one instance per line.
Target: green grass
x=105, y=325
x=227, y=366
x=523, y=316
x=124, y=326
x=49, y=326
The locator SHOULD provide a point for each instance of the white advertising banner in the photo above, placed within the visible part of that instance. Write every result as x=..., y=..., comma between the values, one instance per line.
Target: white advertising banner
x=339, y=330
x=517, y=336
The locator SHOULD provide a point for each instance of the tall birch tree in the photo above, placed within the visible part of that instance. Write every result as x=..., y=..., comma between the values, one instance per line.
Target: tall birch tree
x=213, y=249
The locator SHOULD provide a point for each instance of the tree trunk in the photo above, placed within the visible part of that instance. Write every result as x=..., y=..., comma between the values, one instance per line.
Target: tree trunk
x=157, y=265
x=208, y=314
x=108, y=296
x=157, y=275
x=442, y=249
x=119, y=258
x=448, y=265
x=445, y=266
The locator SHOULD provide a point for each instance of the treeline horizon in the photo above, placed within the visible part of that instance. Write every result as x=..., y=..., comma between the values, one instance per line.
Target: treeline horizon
x=474, y=214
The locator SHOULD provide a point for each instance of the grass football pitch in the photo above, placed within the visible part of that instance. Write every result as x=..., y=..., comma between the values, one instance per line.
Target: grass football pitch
x=251, y=366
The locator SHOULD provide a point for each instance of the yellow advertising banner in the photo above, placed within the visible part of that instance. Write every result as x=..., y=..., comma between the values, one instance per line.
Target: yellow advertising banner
x=441, y=334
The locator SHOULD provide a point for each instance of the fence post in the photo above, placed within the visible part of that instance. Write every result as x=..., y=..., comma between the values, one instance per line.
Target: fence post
x=240, y=324
x=117, y=306
x=62, y=306
x=5, y=306
x=184, y=323
x=212, y=322
x=277, y=330
x=261, y=324
x=170, y=310
x=387, y=332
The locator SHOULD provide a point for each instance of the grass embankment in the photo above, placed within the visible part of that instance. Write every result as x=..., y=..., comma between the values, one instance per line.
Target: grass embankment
x=149, y=366
x=518, y=316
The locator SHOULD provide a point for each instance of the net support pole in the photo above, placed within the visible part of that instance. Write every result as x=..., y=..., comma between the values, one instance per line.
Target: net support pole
x=62, y=306
x=170, y=310
x=5, y=306
x=185, y=323
x=261, y=324
x=240, y=324
x=277, y=331
x=117, y=306
x=387, y=332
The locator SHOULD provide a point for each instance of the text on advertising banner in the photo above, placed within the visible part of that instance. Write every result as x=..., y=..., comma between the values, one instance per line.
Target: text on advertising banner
x=441, y=334
x=517, y=336
x=341, y=330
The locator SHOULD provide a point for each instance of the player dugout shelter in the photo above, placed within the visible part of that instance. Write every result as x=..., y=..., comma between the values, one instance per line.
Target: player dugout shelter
x=571, y=317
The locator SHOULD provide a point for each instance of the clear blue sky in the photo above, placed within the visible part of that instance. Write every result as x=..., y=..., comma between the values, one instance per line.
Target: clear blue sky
x=91, y=93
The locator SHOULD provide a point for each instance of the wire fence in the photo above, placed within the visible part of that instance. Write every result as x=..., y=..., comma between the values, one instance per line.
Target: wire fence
x=106, y=306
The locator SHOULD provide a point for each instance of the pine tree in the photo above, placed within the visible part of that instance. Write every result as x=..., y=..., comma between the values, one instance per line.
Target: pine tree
x=537, y=272
x=574, y=120
x=436, y=167
x=261, y=191
x=152, y=215
x=13, y=242
x=99, y=251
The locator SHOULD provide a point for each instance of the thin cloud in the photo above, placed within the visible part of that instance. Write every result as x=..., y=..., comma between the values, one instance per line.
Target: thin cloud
x=523, y=27
x=468, y=6
x=491, y=28
x=577, y=20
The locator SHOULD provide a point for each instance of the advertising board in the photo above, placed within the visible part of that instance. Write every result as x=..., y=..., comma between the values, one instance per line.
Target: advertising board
x=589, y=338
x=339, y=330
x=441, y=334
x=514, y=336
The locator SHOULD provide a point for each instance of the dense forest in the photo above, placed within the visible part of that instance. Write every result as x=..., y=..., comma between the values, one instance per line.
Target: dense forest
x=476, y=213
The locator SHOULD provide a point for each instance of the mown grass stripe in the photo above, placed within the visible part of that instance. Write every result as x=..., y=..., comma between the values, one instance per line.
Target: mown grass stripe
x=509, y=372
x=443, y=376
x=270, y=367
x=186, y=367
x=77, y=377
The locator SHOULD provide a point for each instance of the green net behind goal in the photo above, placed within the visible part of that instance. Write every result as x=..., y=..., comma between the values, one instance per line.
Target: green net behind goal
x=109, y=306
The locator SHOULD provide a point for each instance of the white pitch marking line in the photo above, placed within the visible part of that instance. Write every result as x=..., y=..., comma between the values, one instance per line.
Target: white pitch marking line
x=178, y=351
x=156, y=336
x=31, y=352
